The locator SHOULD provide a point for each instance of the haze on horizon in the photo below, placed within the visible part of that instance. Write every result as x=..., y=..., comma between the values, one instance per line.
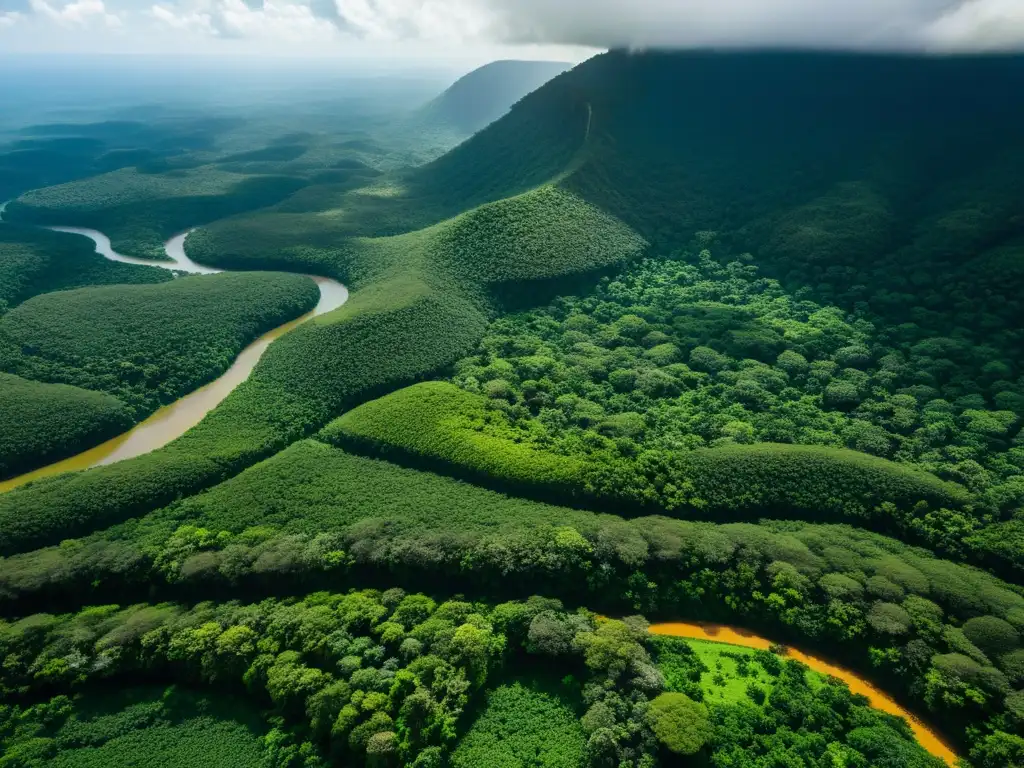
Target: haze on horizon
x=480, y=30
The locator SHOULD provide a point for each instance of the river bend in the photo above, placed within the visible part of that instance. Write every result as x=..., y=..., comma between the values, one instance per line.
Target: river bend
x=172, y=421
x=926, y=737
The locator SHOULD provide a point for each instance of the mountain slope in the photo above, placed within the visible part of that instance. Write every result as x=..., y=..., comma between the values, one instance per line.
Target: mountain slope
x=692, y=131
x=485, y=94
x=832, y=169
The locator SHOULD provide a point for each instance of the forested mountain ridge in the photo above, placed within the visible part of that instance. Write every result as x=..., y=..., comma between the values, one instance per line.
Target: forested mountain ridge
x=686, y=141
x=786, y=306
x=480, y=97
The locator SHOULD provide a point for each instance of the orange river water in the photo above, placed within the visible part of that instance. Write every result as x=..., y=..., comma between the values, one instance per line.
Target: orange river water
x=926, y=737
x=172, y=421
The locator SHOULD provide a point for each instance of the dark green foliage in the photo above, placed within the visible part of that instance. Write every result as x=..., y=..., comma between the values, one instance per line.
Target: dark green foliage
x=992, y=635
x=139, y=211
x=48, y=422
x=681, y=724
x=513, y=154
x=138, y=727
x=772, y=147
x=34, y=261
x=148, y=345
x=385, y=336
x=522, y=728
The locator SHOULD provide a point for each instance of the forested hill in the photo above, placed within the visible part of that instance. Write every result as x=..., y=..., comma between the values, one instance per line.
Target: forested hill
x=849, y=154
x=886, y=182
x=485, y=94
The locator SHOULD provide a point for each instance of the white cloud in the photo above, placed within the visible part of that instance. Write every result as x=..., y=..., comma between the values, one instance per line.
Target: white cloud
x=9, y=18
x=77, y=13
x=193, y=21
x=277, y=19
x=458, y=25
x=848, y=24
x=983, y=25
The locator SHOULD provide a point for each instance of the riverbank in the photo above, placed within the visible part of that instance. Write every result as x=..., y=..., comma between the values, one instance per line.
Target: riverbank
x=175, y=419
x=926, y=737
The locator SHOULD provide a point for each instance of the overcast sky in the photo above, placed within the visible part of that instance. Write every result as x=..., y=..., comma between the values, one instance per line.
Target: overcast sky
x=484, y=29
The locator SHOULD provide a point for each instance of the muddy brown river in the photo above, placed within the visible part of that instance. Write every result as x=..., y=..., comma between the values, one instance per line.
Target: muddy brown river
x=926, y=737
x=172, y=421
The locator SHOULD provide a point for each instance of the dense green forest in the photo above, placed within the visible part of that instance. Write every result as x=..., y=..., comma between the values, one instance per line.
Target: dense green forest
x=393, y=678
x=35, y=261
x=676, y=385
x=92, y=361
x=945, y=635
x=46, y=422
x=730, y=338
x=148, y=345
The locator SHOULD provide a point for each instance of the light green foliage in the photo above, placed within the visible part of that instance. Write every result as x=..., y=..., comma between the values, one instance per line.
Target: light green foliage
x=46, y=422
x=544, y=233
x=522, y=728
x=437, y=426
x=680, y=723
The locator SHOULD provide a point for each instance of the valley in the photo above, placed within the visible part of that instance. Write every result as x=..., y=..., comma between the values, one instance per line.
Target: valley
x=334, y=434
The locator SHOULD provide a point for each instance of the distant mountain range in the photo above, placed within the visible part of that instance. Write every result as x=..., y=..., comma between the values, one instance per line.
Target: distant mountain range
x=479, y=98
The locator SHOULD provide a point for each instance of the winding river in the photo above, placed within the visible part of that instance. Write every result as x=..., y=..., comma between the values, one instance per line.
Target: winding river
x=172, y=421
x=926, y=737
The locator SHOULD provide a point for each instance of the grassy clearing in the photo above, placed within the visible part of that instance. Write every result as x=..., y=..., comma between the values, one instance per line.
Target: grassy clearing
x=722, y=681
